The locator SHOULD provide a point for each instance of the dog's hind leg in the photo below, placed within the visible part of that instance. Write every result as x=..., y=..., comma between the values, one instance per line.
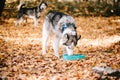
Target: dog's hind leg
x=18, y=22
x=45, y=35
x=19, y=19
x=56, y=45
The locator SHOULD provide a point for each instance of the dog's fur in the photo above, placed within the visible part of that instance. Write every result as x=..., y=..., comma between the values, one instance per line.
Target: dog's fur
x=34, y=12
x=63, y=27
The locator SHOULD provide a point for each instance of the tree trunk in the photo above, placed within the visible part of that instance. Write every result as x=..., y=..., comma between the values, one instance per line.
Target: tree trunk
x=98, y=1
x=2, y=3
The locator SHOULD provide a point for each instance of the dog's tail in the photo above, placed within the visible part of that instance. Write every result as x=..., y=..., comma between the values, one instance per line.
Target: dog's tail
x=21, y=5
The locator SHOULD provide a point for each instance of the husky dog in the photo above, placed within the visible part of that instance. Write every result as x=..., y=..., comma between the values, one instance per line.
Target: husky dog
x=63, y=27
x=34, y=12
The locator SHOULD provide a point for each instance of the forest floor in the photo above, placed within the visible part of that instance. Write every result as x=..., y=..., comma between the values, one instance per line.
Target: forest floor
x=21, y=57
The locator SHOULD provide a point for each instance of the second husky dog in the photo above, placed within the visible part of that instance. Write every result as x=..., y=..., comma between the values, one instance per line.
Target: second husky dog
x=63, y=27
x=33, y=12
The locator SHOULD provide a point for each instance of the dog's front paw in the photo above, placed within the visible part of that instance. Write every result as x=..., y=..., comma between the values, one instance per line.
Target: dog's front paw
x=16, y=24
x=43, y=52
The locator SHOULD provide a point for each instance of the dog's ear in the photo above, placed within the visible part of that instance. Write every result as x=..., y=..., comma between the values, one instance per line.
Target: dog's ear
x=65, y=39
x=78, y=37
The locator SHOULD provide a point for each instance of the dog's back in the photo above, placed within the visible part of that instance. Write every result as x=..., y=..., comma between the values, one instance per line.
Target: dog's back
x=54, y=17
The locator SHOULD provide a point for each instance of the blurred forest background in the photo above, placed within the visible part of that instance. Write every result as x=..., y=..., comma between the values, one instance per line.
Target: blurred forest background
x=74, y=7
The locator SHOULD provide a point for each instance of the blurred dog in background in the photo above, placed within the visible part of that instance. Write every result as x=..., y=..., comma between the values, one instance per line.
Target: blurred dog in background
x=33, y=13
x=63, y=27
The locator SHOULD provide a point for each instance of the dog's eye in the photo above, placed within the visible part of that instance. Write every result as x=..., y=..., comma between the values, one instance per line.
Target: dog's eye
x=64, y=44
x=74, y=27
x=69, y=48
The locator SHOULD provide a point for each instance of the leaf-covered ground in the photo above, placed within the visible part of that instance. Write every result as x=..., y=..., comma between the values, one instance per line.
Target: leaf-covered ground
x=21, y=57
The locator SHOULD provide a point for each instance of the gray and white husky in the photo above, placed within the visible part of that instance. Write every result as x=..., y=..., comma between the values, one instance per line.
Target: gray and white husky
x=34, y=12
x=63, y=27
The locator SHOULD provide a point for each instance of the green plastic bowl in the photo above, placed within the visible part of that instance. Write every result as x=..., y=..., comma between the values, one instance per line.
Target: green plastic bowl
x=73, y=57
